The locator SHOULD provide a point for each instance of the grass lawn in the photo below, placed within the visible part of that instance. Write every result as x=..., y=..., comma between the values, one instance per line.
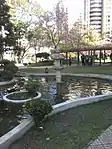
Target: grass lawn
x=72, y=129
x=74, y=69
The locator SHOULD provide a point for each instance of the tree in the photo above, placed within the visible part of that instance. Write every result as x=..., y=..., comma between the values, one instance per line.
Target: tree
x=27, y=10
x=55, y=25
x=25, y=26
x=80, y=36
x=44, y=55
x=17, y=5
x=7, y=39
x=76, y=35
x=36, y=38
x=20, y=33
x=92, y=38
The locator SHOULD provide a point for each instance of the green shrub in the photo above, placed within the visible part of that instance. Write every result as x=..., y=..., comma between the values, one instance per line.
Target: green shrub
x=38, y=109
x=32, y=86
x=2, y=105
x=5, y=62
x=45, y=55
x=46, y=63
x=25, y=64
x=6, y=75
x=11, y=67
x=13, y=62
x=10, y=108
x=9, y=70
x=43, y=63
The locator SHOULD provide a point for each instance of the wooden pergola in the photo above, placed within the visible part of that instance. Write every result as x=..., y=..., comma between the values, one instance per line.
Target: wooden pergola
x=90, y=50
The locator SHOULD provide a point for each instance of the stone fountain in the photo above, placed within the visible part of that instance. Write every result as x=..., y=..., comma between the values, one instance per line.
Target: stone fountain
x=60, y=86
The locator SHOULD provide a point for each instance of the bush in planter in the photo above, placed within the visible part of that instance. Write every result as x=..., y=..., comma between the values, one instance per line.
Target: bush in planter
x=11, y=67
x=21, y=82
x=2, y=106
x=38, y=109
x=29, y=64
x=25, y=64
x=5, y=62
x=32, y=86
x=6, y=75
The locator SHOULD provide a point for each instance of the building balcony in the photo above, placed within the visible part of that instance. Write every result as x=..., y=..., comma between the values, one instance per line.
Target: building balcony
x=95, y=7
x=96, y=24
x=95, y=18
x=95, y=1
x=95, y=21
x=95, y=15
x=97, y=11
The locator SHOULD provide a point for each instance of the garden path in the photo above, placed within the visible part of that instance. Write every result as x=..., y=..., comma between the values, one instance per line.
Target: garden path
x=104, y=141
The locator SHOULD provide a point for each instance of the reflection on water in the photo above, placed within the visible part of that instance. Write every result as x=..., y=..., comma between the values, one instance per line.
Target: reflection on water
x=83, y=87
x=77, y=87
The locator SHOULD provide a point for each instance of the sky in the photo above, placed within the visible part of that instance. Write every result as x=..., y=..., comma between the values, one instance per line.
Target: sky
x=75, y=7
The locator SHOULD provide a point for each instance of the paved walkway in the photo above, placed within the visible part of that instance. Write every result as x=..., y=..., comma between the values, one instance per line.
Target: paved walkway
x=104, y=141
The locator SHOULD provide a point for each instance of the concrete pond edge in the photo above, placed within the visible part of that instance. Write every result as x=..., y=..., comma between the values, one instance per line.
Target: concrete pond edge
x=16, y=133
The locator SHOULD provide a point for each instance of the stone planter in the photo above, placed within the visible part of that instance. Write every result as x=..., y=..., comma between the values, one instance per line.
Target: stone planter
x=5, y=97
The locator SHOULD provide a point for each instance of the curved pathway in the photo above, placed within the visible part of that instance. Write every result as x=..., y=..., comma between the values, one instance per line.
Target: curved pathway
x=104, y=141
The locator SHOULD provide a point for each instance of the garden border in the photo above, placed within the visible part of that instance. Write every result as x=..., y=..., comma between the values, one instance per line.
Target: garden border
x=16, y=133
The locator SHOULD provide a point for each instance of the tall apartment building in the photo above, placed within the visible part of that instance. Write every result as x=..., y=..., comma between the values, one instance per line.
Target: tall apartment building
x=98, y=15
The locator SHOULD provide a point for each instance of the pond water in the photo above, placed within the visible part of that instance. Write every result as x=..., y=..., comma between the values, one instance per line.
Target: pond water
x=11, y=114
x=76, y=88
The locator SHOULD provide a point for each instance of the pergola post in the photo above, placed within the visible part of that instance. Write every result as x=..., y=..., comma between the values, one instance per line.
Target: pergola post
x=100, y=57
x=94, y=56
x=111, y=58
x=78, y=60
x=66, y=55
x=91, y=52
x=104, y=56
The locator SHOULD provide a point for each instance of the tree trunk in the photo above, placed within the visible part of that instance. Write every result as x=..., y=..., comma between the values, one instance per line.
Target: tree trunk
x=35, y=55
x=1, y=56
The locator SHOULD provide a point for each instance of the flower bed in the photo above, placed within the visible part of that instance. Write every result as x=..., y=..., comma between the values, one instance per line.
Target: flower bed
x=10, y=116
